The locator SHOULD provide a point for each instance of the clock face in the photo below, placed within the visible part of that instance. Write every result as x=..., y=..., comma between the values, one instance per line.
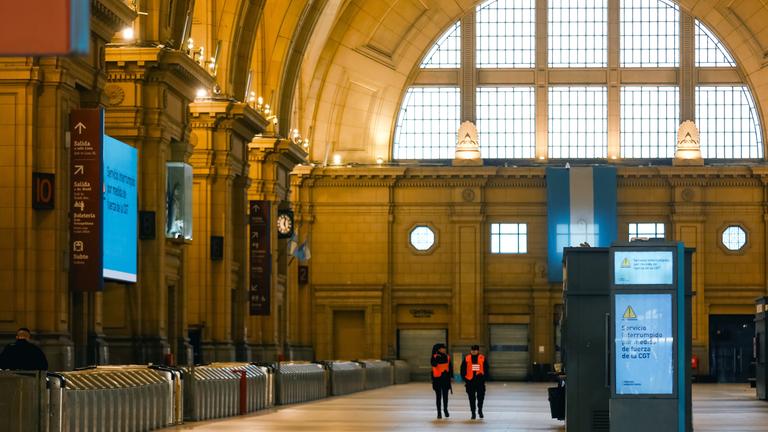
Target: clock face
x=284, y=223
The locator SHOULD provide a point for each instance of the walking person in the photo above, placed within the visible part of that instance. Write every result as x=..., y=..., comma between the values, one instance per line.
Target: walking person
x=441, y=377
x=22, y=354
x=474, y=369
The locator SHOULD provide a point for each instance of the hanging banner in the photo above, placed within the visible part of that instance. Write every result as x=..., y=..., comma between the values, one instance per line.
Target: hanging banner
x=86, y=221
x=45, y=27
x=260, y=263
x=581, y=209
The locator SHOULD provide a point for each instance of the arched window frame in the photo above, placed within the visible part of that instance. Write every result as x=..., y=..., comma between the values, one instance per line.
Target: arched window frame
x=614, y=77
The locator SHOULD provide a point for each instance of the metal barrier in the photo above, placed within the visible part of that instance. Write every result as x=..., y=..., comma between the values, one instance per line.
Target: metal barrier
x=300, y=382
x=214, y=390
x=112, y=398
x=345, y=377
x=402, y=372
x=378, y=373
x=22, y=401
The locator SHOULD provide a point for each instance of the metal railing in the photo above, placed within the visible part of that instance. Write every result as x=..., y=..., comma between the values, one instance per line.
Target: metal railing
x=300, y=382
x=402, y=373
x=141, y=398
x=214, y=391
x=378, y=373
x=23, y=401
x=345, y=377
x=112, y=398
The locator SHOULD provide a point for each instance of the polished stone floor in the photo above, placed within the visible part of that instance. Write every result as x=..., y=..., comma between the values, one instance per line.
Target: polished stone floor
x=509, y=407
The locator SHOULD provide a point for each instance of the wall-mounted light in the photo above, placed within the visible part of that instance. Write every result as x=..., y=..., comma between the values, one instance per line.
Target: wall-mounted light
x=379, y=160
x=298, y=140
x=201, y=93
x=337, y=159
x=127, y=34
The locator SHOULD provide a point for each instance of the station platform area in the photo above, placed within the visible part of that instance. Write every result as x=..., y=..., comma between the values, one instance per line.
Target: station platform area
x=508, y=407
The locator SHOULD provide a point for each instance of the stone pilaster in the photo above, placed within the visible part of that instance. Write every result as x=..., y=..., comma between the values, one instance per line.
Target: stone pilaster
x=149, y=91
x=222, y=129
x=36, y=97
x=271, y=161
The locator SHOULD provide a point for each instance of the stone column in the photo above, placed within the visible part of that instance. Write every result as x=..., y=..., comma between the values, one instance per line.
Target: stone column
x=36, y=97
x=222, y=129
x=271, y=161
x=150, y=89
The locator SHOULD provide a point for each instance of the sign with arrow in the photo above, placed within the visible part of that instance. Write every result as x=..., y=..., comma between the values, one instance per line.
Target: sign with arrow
x=86, y=214
x=261, y=259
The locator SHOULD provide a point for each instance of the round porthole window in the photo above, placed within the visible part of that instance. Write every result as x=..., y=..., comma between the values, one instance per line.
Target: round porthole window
x=734, y=238
x=422, y=238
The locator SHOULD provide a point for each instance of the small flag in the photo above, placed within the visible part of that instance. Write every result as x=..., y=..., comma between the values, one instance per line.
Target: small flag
x=293, y=244
x=302, y=252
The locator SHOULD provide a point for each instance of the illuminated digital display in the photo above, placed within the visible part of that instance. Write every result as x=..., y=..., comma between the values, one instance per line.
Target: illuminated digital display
x=634, y=267
x=120, y=210
x=644, y=344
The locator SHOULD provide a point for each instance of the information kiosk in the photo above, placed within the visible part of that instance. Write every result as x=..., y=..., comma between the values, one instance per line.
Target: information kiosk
x=650, y=383
x=761, y=348
x=585, y=341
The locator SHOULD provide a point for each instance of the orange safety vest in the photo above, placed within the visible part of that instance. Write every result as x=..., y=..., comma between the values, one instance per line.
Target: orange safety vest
x=437, y=371
x=473, y=369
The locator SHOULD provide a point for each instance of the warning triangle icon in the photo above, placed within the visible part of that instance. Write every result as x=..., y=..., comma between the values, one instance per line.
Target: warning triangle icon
x=630, y=313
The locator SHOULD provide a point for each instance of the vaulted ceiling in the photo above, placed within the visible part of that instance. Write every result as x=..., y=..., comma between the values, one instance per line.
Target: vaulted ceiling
x=337, y=69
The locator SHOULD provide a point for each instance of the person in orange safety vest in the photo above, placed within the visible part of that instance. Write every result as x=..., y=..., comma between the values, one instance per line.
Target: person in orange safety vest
x=474, y=371
x=441, y=377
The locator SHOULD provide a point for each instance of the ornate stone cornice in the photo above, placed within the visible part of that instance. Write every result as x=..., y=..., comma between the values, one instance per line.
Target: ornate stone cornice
x=529, y=177
x=110, y=16
x=247, y=122
x=155, y=64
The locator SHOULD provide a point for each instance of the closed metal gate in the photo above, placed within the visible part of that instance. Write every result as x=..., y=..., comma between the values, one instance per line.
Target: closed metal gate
x=415, y=347
x=509, y=357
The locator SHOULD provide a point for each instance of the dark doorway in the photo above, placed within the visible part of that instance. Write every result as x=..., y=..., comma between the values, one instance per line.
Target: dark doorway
x=195, y=339
x=730, y=347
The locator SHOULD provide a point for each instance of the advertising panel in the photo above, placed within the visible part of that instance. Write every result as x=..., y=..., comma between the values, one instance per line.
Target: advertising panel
x=634, y=267
x=644, y=344
x=120, y=210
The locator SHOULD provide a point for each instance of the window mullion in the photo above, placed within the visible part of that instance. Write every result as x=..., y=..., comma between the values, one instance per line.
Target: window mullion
x=468, y=67
x=687, y=68
x=542, y=72
x=614, y=85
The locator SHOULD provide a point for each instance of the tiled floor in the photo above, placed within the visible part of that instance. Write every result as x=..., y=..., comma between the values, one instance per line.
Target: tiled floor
x=509, y=407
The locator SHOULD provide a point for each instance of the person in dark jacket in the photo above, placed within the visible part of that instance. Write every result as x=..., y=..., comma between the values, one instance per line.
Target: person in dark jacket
x=441, y=377
x=474, y=371
x=23, y=355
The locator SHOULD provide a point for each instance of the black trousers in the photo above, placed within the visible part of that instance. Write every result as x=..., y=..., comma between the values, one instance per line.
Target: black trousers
x=441, y=393
x=476, y=392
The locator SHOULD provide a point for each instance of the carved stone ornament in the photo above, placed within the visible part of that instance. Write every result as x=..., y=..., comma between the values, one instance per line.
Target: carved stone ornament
x=468, y=195
x=688, y=150
x=687, y=194
x=115, y=95
x=467, y=146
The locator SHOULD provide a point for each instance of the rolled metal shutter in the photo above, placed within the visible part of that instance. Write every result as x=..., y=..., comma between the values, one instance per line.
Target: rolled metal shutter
x=509, y=356
x=415, y=347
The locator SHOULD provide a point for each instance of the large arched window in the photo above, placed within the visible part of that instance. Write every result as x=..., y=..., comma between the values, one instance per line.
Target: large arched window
x=577, y=85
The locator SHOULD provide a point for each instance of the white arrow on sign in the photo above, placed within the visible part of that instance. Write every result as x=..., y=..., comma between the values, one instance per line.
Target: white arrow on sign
x=79, y=169
x=80, y=127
